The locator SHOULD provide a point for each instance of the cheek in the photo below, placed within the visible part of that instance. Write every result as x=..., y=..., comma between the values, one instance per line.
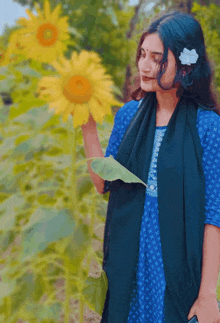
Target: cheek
x=139, y=65
x=169, y=73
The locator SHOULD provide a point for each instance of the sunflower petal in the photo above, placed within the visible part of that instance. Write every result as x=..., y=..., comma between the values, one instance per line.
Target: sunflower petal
x=65, y=117
x=62, y=107
x=65, y=63
x=55, y=14
x=63, y=24
x=40, y=15
x=96, y=110
x=22, y=21
x=57, y=66
x=30, y=14
x=54, y=104
x=81, y=115
x=48, y=81
x=47, y=10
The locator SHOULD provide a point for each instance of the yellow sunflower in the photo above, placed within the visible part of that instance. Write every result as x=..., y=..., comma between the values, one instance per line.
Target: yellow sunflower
x=2, y=57
x=14, y=47
x=43, y=37
x=83, y=88
x=5, y=58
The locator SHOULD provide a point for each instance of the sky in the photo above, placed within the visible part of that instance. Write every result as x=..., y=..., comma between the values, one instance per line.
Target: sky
x=10, y=11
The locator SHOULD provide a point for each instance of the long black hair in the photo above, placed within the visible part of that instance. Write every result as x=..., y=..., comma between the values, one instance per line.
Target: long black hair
x=178, y=30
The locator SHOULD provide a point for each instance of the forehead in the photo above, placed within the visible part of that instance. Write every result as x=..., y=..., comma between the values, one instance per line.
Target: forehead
x=153, y=43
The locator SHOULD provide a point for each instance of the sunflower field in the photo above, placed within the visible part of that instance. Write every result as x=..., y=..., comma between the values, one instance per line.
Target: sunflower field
x=50, y=212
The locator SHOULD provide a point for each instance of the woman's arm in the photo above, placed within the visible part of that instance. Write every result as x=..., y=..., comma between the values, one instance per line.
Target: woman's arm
x=211, y=260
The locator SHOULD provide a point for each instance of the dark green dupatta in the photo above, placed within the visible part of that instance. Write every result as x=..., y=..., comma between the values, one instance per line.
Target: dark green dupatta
x=181, y=203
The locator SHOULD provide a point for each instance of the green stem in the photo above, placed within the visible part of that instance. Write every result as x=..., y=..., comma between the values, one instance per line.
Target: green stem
x=67, y=298
x=8, y=302
x=91, y=230
x=81, y=300
x=87, y=267
x=74, y=211
x=73, y=190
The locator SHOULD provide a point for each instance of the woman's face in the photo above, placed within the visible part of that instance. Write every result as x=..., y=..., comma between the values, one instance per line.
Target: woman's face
x=148, y=64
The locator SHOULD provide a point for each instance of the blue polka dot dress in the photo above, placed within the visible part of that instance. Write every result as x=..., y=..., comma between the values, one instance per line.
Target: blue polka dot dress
x=146, y=304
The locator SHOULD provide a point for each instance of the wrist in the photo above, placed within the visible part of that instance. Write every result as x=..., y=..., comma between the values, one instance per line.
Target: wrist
x=207, y=294
x=91, y=123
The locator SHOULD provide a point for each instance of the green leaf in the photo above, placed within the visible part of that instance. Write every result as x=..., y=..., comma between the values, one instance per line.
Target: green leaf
x=26, y=70
x=22, y=137
x=25, y=105
x=6, y=289
x=7, y=145
x=77, y=249
x=39, y=288
x=61, y=161
x=1, y=104
x=44, y=312
x=110, y=169
x=3, y=70
x=95, y=292
x=8, y=212
x=7, y=179
x=34, y=144
x=45, y=226
x=6, y=85
x=24, y=291
x=2, y=77
x=84, y=185
x=35, y=117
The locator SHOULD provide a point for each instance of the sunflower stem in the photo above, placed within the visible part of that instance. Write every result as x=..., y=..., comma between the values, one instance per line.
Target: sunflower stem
x=91, y=230
x=67, y=296
x=73, y=209
x=75, y=215
x=73, y=191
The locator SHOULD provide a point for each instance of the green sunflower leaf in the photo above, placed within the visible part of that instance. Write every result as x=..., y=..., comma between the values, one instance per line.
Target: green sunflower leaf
x=110, y=169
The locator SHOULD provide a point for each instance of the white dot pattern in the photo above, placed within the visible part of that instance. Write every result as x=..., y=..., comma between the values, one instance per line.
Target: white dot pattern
x=147, y=298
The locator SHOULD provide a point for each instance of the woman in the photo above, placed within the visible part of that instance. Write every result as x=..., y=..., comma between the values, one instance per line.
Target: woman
x=162, y=242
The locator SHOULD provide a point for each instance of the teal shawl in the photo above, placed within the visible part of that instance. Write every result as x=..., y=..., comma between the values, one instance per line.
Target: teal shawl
x=181, y=206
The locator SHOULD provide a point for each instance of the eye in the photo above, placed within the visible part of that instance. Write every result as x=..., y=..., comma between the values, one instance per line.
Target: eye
x=155, y=60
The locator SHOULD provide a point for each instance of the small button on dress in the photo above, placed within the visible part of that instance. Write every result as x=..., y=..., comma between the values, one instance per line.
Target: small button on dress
x=147, y=298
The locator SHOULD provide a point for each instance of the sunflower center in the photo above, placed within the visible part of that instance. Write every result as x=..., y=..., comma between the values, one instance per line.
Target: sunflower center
x=47, y=34
x=78, y=89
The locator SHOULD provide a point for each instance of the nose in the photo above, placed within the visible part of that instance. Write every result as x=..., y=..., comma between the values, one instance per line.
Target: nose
x=145, y=64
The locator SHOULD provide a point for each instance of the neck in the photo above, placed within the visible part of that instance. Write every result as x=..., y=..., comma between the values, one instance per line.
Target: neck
x=167, y=101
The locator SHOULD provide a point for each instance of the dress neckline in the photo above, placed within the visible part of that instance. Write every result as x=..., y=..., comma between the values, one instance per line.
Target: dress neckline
x=161, y=127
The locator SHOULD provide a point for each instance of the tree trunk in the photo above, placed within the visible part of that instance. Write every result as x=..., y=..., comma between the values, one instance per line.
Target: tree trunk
x=126, y=87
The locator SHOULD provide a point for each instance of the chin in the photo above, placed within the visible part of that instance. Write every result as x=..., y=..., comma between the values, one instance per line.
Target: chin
x=147, y=89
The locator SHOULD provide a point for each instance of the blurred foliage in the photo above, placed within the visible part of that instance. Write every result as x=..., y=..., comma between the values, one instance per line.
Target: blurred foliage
x=100, y=26
x=35, y=195
x=209, y=18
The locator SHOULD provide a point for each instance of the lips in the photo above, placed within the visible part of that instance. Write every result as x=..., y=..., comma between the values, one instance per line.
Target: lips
x=145, y=78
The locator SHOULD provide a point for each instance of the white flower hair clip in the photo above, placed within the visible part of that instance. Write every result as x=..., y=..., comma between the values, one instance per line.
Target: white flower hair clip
x=188, y=56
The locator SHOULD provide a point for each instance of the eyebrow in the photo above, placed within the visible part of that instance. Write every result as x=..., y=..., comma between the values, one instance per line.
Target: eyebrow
x=153, y=52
